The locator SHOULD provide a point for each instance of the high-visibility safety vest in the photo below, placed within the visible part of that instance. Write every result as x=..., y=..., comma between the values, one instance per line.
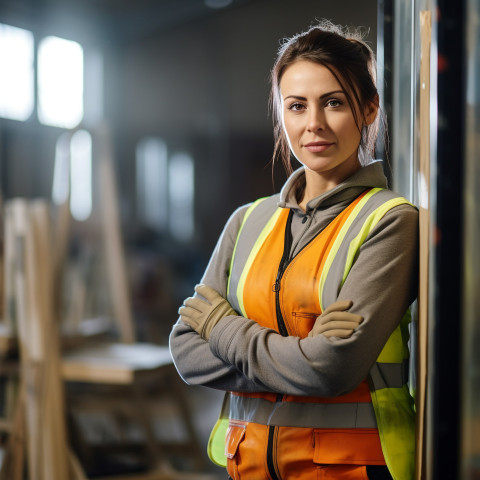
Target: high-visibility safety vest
x=261, y=257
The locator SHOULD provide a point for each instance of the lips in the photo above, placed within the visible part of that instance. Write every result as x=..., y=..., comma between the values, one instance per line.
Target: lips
x=317, y=147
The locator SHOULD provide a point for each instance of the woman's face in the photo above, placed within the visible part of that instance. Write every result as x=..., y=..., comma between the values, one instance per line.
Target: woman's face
x=318, y=122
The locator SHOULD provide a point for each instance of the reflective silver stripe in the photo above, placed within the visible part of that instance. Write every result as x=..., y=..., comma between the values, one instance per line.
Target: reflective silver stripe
x=306, y=415
x=334, y=282
x=389, y=375
x=246, y=239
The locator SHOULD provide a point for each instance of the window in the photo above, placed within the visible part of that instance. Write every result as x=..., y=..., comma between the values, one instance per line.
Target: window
x=152, y=182
x=16, y=73
x=73, y=173
x=60, y=82
x=81, y=175
x=69, y=82
x=165, y=189
x=180, y=193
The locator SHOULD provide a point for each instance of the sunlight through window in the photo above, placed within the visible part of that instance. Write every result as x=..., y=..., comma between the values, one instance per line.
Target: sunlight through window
x=60, y=82
x=81, y=175
x=16, y=73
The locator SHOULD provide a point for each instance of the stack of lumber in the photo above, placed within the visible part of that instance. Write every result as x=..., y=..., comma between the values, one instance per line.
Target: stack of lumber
x=40, y=409
x=43, y=368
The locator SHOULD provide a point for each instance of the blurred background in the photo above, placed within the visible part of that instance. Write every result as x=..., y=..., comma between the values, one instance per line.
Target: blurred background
x=176, y=94
x=183, y=87
x=144, y=124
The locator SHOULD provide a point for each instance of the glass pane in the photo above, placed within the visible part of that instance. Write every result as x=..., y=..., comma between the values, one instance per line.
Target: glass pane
x=81, y=175
x=151, y=172
x=181, y=196
x=16, y=72
x=60, y=82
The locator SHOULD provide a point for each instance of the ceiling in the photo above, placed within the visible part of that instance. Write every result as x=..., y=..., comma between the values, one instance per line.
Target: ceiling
x=123, y=21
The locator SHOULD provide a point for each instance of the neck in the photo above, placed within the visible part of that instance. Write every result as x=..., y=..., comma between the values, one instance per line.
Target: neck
x=317, y=184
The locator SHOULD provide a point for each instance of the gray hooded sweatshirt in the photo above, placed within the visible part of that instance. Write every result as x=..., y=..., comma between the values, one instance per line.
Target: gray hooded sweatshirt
x=242, y=356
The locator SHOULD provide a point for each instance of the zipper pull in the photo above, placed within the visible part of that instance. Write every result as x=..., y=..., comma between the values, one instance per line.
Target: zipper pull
x=276, y=285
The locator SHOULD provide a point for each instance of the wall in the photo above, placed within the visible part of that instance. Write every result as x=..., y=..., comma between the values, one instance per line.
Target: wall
x=204, y=87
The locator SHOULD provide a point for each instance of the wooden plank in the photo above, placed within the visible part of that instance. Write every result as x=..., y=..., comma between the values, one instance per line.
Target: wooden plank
x=113, y=363
x=38, y=339
x=114, y=249
x=14, y=422
x=61, y=226
x=424, y=219
x=28, y=339
x=13, y=463
x=8, y=266
x=76, y=470
x=53, y=419
x=8, y=334
x=82, y=370
x=61, y=238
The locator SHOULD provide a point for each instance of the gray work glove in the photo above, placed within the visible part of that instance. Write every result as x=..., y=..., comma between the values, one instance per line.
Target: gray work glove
x=203, y=314
x=336, y=322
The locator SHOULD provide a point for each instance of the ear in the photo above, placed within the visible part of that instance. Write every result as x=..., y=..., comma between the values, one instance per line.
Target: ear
x=371, y=110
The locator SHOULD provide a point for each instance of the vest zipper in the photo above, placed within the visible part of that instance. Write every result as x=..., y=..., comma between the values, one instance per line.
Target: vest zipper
x=286, y=259
x=282, y=328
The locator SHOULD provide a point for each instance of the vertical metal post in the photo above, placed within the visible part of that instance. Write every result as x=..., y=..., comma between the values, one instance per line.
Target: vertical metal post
x=403, y=114
x=444, y=338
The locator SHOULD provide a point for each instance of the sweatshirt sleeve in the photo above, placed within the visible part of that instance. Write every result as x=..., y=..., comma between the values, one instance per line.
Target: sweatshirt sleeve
x=193, y=358
x=381, y=284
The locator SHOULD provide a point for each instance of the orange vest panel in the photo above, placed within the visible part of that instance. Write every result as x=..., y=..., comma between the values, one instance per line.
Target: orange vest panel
x=299, y=305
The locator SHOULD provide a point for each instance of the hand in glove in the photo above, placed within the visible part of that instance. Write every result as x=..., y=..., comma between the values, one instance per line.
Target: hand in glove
x=202, y=315
x=336, y=322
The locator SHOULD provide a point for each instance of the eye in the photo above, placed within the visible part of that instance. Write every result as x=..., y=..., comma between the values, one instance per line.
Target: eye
x=334, y=103
x=296, y=107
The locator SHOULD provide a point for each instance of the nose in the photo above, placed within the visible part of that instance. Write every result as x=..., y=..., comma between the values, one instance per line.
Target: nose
x=316, y=119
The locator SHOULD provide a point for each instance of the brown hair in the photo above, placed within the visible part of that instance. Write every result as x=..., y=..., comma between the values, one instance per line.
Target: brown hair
x=350, y=60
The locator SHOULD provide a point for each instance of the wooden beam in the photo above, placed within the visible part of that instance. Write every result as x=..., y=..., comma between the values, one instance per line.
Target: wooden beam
x=114, y=249
x=424, y=219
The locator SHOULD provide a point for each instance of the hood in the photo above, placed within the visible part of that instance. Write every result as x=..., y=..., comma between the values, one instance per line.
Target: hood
x=369, y=176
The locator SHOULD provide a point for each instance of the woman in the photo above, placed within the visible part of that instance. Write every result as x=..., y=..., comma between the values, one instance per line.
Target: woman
x=301, y=312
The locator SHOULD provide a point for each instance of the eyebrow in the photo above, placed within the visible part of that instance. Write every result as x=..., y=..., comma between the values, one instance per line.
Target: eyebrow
x=297, y=97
